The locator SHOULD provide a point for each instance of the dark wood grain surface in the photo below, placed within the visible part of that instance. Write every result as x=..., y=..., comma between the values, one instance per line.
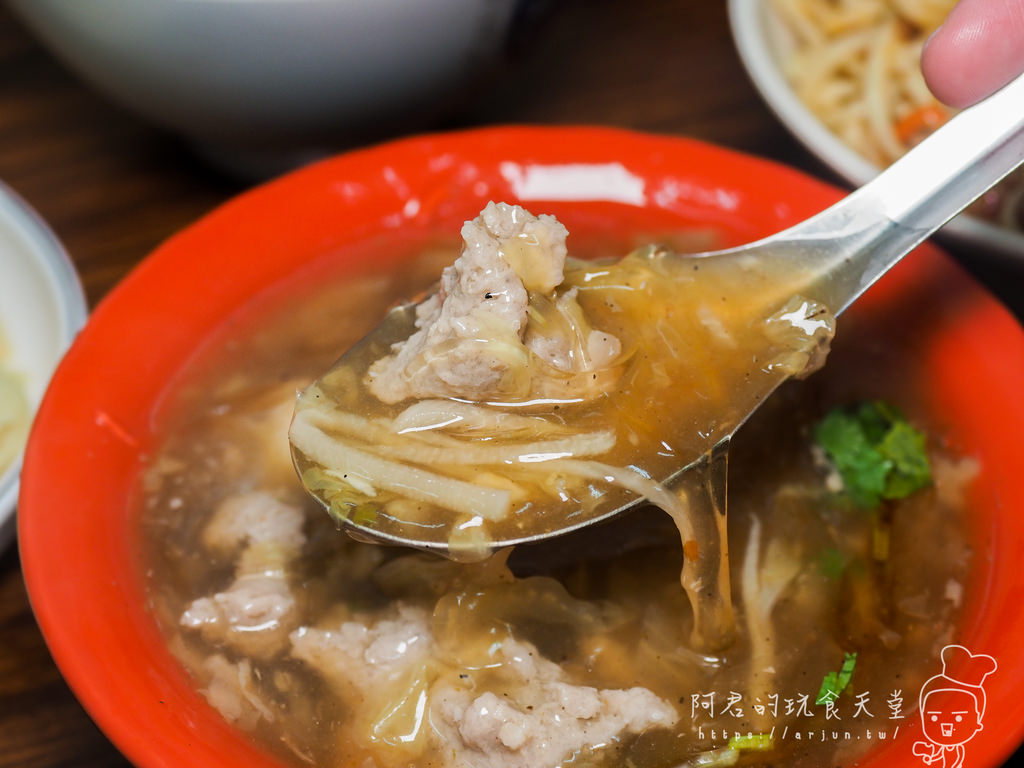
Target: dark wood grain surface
x=113, y=187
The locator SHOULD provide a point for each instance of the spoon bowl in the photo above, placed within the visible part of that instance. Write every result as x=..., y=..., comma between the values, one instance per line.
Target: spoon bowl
x=820, y=266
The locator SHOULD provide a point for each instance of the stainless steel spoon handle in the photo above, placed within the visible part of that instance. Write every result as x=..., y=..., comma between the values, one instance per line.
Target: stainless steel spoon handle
x=853, y=243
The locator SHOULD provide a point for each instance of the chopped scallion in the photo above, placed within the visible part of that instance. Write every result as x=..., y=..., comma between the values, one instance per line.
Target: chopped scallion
x=752, y=742
x=834, y=683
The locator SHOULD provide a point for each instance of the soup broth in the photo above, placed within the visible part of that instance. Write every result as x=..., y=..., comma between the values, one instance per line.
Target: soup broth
x=621, y=373
x=337, y=653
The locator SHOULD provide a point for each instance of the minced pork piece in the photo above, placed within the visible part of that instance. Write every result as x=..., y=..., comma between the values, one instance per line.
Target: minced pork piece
x=257, y=611
x=544, y=721
x=469, y=341
x=539, y=718
x=366, y=655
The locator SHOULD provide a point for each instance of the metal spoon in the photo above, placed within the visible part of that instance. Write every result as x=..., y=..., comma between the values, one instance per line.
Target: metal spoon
x=844, y=250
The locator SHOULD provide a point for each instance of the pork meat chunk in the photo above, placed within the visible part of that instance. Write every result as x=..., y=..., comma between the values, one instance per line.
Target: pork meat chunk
x=257, y=611
x=232, y=691
x=541, y=719
x=518, y=711
x=364, y=655
x=469, y=337
x=254, y=518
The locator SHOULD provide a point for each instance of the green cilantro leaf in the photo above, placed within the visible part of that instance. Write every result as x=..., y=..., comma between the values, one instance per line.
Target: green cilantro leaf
x=903, y=446
x=876, y=451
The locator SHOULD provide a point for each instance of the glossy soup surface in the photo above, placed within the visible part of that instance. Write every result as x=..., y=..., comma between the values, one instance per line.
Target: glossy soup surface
x=603, y=611
x=702, y=343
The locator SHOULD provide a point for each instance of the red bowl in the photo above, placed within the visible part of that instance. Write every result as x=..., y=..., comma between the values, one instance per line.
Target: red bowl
x=79, y=541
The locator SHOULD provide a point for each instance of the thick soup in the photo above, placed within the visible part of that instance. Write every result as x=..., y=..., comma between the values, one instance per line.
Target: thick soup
x=333, y=652
x=533, y=392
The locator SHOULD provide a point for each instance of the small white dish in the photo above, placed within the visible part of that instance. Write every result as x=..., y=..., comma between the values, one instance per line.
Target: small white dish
x=42, y=307
x=761, y=41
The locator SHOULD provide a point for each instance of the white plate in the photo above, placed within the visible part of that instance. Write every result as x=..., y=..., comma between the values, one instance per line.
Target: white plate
x=761, y=41
x=42, y=307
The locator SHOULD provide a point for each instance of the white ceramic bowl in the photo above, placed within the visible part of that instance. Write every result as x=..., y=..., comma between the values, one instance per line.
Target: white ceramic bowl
x=42, y=307
x=762, y=43
x=249, y=80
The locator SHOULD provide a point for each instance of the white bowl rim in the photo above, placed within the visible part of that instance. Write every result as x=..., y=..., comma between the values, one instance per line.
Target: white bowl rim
x=57, y=264
x=747, y=19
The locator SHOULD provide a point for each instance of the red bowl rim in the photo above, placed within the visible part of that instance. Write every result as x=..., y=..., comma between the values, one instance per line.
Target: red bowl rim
x=95, y=424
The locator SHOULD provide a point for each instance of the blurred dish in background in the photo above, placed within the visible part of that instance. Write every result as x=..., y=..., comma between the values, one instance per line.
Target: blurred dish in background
x=856, y=65
x=41, y=309
x=845, y=78
x=14, y=410
x=262, y=85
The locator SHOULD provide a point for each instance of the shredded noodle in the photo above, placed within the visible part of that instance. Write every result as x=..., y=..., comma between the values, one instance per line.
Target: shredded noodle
x=856, y=65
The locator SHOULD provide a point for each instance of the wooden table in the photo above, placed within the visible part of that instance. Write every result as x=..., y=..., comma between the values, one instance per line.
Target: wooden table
x=113, y=187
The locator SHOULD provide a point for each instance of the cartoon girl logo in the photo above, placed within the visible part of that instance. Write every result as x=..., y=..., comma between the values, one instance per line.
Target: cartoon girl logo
x=952, y=704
